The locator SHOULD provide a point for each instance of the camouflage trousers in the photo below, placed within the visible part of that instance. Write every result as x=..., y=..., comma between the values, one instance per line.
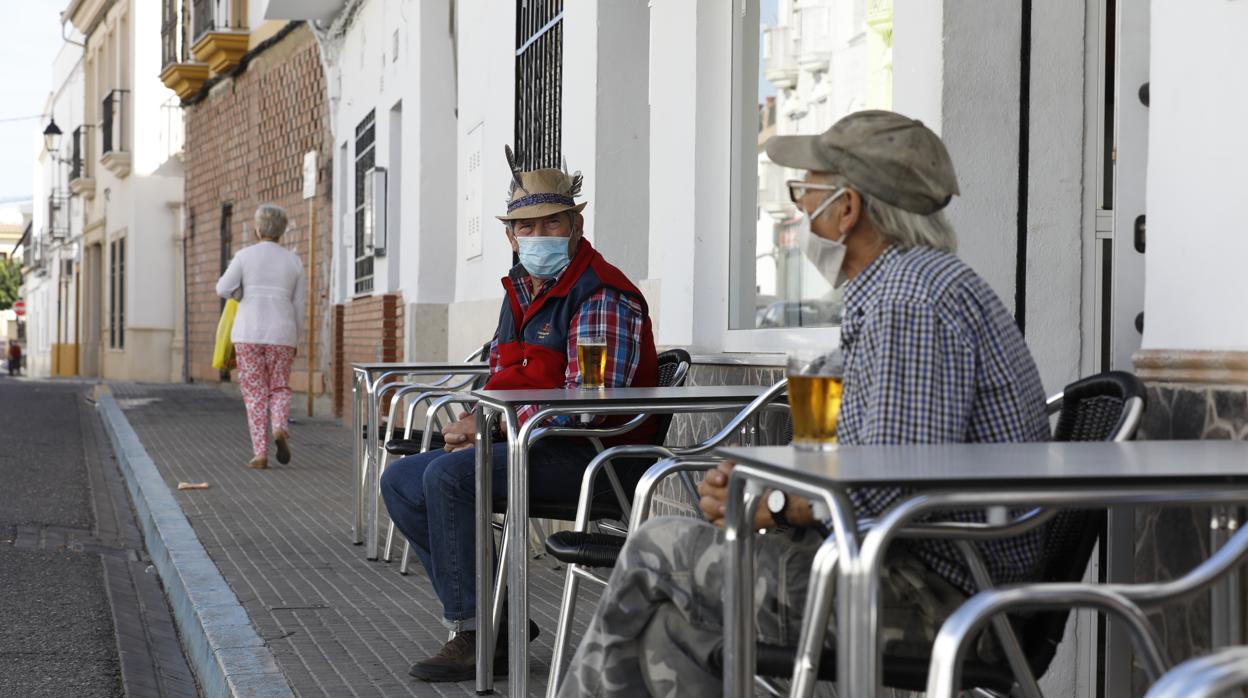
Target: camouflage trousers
x=661, y=616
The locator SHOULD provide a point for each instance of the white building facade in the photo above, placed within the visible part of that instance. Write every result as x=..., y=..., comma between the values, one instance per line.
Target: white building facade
x=50, y=287
x=130, y=189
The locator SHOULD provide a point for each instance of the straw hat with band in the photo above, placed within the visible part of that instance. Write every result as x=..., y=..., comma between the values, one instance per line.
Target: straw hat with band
x=883, y=154
x=541, y=193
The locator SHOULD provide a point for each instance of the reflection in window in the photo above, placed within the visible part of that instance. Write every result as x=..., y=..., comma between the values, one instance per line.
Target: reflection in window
x=818, y=61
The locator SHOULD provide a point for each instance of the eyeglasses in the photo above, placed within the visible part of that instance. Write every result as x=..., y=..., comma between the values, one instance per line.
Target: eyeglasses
x=799, y=187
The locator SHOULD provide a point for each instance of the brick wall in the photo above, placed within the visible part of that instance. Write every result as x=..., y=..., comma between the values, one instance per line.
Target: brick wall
x=371, y=329
x=245, y=143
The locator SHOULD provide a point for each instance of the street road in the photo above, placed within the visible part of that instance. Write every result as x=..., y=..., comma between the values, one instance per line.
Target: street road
x=65, y=528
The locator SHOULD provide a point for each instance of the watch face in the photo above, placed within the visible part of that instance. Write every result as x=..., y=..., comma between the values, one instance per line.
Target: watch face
x=776, y=501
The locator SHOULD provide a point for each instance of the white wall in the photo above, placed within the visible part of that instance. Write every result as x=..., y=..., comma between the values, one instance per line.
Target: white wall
x=1197, y=237
x=918, y=77
x=606, y=130
x=376, y=73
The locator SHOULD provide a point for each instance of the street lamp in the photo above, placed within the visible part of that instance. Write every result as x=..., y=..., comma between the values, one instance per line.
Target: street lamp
x=52, y=137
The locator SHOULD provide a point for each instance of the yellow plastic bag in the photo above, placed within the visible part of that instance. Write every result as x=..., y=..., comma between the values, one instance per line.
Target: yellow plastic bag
x=223, y=351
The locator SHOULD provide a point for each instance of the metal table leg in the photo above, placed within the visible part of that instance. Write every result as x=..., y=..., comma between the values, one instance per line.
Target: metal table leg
x=739, y=644
x=517, y=553
x=357, y=524
x=373, y=488
x=485, y=552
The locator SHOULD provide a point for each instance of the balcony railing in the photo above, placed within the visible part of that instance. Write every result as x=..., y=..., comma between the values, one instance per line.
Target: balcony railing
x=77, y=169
x=204, y=17
x=779, y=57
x=172, y=132
x=58, y=215
x=113, y=122
x=172, y=34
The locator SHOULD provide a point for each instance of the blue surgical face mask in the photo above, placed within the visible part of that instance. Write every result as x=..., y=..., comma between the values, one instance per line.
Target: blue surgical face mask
x=543, y=257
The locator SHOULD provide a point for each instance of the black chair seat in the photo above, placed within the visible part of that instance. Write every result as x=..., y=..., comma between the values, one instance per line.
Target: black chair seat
x=410, y=447
x=906, y=673
x=589, y=549
x=605, y=507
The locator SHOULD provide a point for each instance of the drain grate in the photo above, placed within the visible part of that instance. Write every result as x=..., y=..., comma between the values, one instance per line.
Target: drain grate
x=67, y=540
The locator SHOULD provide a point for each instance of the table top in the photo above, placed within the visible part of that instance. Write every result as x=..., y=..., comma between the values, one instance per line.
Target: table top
x=735, y=394
x=986, y=465
x=422, y=366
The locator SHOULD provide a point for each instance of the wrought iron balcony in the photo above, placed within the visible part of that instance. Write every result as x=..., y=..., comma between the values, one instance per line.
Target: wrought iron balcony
x=114, y=129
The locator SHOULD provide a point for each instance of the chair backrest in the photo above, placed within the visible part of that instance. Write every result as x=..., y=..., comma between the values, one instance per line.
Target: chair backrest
x=1104, y=407
x=482, y=355
x=673, y=372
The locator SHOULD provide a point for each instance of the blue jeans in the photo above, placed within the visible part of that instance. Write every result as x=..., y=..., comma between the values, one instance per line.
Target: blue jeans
x=431, y=498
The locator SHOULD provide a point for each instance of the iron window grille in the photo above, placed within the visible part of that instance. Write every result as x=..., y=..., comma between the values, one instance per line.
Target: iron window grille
x=365, y=158
x=113, y=122
x=226, y=239
x=117, y=294
x=77, y=169
x=539, y=83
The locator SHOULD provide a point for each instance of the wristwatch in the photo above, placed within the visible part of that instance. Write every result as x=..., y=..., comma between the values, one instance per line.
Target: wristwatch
x=777, y=502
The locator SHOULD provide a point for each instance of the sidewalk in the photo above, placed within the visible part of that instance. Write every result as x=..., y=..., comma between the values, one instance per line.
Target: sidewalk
x=337, y=624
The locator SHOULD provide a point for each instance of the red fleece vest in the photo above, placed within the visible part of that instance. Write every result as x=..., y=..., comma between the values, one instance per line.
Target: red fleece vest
x=533, y=344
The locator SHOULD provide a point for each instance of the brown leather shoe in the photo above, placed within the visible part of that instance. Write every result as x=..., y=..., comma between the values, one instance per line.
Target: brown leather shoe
x=282, y=437
x=457, y=660
x=259, y=463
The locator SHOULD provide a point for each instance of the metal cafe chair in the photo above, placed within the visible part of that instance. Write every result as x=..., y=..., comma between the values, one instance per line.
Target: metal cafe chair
x=1104, y=407
x=583, y=550
x=673, y=369
x=1211, y=675
x=367, y=419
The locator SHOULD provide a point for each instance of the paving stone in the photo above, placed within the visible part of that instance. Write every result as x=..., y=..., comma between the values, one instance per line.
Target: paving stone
x=280, y=537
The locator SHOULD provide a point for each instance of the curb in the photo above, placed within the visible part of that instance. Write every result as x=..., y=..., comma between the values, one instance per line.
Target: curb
x=227, y=654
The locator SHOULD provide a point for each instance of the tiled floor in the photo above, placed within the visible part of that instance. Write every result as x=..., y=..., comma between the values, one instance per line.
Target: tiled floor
x=337, y=624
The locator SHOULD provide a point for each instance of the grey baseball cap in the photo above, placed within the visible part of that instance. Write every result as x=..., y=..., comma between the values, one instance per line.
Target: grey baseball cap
x=882, y=153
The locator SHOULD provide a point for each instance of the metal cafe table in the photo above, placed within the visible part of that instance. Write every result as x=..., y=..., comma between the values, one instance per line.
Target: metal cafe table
x=502, y=405
x=366, y=382
x=943, y=477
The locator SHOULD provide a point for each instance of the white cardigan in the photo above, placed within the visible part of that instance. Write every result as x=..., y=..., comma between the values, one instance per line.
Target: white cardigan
x=273, y=304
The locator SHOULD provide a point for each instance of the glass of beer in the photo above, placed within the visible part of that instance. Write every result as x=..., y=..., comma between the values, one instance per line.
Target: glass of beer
x=591, y=353
x=815, y=384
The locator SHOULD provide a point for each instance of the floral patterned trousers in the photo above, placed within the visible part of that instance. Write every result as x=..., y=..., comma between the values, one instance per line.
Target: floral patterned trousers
x=264, y=378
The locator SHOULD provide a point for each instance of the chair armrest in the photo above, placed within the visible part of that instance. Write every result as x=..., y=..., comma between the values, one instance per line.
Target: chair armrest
x=1204, y=677
x=766, y=401
x=650, y=480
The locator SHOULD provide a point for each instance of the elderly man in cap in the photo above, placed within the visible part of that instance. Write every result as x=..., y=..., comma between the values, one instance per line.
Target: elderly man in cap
x=562, y=291
x=931, y=356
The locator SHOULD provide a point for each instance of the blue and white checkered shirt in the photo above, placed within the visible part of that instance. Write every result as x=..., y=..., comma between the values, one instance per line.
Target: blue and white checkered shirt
x=932, y=356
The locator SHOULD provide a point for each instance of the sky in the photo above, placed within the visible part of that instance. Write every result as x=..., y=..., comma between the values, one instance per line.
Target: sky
x=767, y=17
x=32, y=39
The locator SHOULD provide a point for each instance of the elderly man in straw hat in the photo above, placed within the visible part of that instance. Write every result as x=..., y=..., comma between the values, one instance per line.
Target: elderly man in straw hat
x=931, y=355
x=560, y=294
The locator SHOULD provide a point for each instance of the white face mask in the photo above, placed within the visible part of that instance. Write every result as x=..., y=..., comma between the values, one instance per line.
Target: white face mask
x=828, y=256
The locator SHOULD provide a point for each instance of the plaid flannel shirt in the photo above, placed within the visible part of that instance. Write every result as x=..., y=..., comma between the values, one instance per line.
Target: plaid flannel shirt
x=932, y=356
x=607, y=313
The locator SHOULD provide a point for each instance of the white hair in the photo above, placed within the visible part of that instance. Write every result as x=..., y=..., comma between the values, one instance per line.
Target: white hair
x=270, y=221
x=907, y=229
x=903, y=228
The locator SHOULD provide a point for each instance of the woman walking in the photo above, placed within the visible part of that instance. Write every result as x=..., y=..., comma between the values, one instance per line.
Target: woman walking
x=269, y=281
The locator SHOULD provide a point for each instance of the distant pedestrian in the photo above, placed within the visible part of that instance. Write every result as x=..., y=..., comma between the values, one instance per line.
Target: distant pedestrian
x=269, y=283
x=15, y=358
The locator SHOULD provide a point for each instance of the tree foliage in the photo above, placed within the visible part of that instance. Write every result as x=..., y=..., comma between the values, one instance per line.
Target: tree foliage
x=10, y=282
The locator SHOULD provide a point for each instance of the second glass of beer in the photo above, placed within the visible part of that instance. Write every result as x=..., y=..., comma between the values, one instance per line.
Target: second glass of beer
x=591, y=353
x=815, y=385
